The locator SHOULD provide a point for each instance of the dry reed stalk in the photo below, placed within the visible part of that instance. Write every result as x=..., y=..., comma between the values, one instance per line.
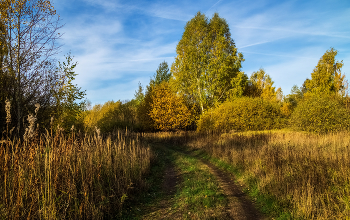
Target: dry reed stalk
x=57, y=177
x=8, y=115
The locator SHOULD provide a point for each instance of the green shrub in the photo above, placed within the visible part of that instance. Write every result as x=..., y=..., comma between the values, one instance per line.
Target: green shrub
x=111, y=116
x=242, y=114
x=321, y=114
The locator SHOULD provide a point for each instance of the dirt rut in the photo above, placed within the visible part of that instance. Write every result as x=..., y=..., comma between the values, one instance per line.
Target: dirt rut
x=240, y=207
x=163, y=209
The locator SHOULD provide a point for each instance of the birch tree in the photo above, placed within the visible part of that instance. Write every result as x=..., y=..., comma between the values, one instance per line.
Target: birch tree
x=327, y=76
x=31, y=30
x=207, y=66
x=66, y=94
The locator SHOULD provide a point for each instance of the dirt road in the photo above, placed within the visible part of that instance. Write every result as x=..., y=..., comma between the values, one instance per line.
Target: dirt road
x=239, y=206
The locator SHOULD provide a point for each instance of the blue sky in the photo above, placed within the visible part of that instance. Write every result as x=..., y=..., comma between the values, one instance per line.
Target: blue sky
x=120, y=43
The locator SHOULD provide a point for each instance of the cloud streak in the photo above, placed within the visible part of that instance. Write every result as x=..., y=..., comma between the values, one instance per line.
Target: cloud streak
x=213, y=6
x=119, y=43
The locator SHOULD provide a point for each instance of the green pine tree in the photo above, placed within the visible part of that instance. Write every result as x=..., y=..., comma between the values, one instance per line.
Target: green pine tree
x=162, y=74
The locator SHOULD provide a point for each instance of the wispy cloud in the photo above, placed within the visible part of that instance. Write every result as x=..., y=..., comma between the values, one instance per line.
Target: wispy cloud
x=106, y=54
x=302, y=32
x=277, y=55
x=118, y=43
x=213, y=6
x=258, y=43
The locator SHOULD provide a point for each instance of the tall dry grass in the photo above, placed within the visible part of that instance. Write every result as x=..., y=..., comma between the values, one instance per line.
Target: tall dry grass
x=52, y=176
x=308, y=174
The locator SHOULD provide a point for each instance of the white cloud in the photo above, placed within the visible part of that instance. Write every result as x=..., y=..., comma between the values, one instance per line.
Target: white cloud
x=293, y=68
x=106, y=54
x=108, y=5
x=115, y=50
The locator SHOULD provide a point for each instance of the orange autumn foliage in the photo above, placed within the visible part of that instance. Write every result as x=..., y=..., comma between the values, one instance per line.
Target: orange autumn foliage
x=168, y=111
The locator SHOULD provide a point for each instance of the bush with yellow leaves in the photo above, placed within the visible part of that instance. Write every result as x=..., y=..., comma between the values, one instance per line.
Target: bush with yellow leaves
x=110, y=116
x=321, y=113
x=243, y=114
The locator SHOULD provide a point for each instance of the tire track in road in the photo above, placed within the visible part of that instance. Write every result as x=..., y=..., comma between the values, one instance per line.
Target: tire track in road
x=240, y=207
x=170, y=181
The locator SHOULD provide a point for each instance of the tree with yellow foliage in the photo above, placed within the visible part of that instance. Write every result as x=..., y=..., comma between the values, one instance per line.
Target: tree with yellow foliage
x=207, y=68
x=30, y=30
x=168, y=111
x=327, y=77
x=144, y=101
x=291, y=101
x=260, y=84
x=242, y=114
x=322, y=108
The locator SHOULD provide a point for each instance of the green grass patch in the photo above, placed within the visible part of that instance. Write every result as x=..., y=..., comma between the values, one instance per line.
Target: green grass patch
x=198, y=196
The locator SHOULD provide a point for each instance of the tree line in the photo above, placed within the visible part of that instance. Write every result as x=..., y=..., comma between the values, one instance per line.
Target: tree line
x=203, y=89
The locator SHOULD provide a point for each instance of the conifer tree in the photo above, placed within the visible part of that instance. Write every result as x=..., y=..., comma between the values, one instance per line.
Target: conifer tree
x=139, y=95
x=162, y=74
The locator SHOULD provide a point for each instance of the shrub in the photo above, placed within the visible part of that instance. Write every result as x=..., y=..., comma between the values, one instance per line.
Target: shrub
x=322, y=114
x=242, y=114
x=110, y=116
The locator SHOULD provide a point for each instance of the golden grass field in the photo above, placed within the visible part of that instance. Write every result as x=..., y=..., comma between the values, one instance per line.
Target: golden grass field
x=89, y=177
x=70, y=177
x=307, y=173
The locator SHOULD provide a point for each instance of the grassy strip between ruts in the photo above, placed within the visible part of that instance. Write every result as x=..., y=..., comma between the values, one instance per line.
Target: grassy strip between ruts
x=266, y=204
x=197, y=196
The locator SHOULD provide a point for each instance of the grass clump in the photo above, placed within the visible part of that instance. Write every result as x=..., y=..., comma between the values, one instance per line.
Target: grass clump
x=266, y=203
x=308, y=175
x=143, y=205
x=199, y=196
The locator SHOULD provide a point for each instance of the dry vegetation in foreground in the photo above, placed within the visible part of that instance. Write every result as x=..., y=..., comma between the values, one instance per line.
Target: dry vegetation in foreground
x=70, y=177
x=308, y=174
